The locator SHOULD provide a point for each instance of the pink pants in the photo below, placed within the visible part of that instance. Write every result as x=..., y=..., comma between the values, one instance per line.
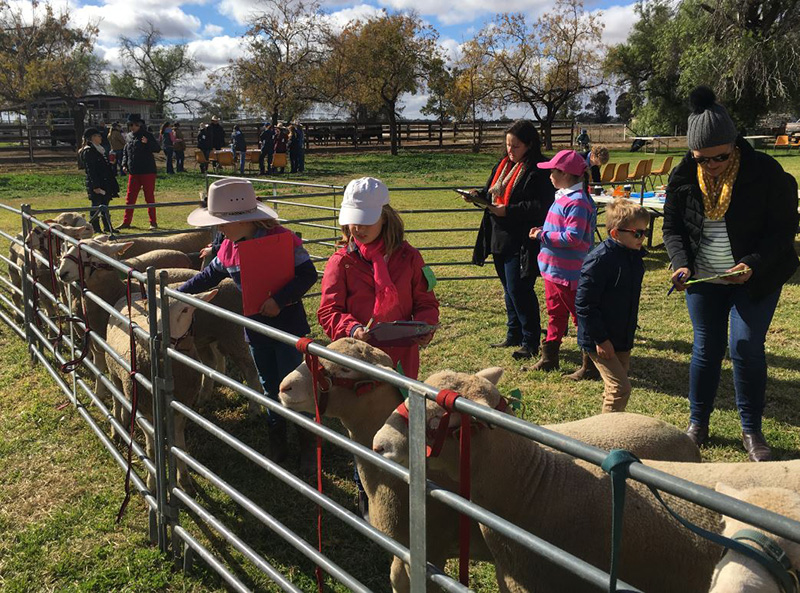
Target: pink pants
x=146, y=181
x=560, y=301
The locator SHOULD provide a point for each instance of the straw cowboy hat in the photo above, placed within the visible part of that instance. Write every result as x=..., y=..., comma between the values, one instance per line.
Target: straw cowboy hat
x=230, y=200
x=214, y=118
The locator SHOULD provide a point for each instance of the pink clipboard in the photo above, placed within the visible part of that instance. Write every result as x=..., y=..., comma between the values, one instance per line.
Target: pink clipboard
x=266, y=265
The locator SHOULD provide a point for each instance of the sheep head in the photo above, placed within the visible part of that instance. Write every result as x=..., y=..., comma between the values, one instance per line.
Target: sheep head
x=73, y=219
x=68, y=270
x=391, y=440
x=181, y=314
x=738, y=574
x=296, y=389
x=37, y=237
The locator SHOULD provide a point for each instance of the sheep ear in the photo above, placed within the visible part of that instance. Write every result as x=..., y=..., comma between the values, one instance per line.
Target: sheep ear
x=207, y=296
x=120, y=248
x=76, y=232
x=492, y=374
x=728, y=490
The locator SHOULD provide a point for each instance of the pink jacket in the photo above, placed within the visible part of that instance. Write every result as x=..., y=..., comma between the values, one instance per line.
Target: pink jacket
x=348, y=295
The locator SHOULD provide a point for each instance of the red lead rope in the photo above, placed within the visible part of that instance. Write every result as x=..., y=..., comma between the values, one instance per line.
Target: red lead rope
x=313, y=364
x=446, y=398
x=134, y=397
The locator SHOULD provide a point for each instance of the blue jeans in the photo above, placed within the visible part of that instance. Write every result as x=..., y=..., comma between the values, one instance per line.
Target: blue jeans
x=180, y=156
x=168, y=154
x=274, y=361
x=242, y=160
x=118, y=162
x=710, y=307
x=522, y=306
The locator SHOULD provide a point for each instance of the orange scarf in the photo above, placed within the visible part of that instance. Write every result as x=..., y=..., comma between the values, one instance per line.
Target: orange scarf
x=505, y=180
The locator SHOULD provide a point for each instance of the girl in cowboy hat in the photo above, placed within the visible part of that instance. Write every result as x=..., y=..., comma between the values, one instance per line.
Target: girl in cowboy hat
x=234, y=209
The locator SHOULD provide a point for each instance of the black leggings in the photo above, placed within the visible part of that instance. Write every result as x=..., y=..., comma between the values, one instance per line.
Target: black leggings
x=98, y=200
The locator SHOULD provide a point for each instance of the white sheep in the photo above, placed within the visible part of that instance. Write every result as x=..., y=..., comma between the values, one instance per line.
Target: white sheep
x=186, y=380
x=183, y=242
x=363, y=415
x=736, y=573
x=215, y=338
x=568, y=502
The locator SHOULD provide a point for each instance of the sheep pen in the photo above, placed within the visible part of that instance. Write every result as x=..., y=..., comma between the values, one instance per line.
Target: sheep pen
x=659, y=379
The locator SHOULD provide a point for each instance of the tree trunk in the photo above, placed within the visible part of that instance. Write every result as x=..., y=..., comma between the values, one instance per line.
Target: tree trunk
x=393, y=131
x=274, y=117
x=547, y=128
x=78, y=113
x=28, y=123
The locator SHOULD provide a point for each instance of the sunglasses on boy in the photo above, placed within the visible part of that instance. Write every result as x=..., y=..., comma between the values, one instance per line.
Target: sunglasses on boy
x=720, y=158
x=637, y=233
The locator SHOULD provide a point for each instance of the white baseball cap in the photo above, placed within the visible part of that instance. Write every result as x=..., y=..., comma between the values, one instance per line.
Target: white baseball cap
x=363, y=201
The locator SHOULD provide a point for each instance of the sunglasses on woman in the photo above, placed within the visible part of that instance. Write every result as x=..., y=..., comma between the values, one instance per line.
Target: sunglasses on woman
x=720, y=158
x=637, y=233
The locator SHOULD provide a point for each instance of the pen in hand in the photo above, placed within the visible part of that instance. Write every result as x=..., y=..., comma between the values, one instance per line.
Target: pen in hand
x=680, y=277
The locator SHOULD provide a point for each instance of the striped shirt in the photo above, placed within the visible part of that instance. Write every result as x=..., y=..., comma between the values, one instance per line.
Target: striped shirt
x=714, y=255
x=566, y=236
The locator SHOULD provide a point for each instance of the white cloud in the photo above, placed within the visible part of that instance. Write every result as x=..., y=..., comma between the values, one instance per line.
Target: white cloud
x=212, y=30
x=238, y=11
x=619, y=21
x=216, y=52
x=448, y=12
x=360, y=12
x=452, y=49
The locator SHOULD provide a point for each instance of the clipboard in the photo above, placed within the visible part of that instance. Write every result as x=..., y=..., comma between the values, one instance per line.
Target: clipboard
x=477, y=200
x=266, y=265
x=397, y=333
x=717, y=277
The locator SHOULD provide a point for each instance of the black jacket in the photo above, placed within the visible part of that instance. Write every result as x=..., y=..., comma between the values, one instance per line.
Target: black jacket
x=204, y=140
x=761, y=219
x=607, y=301
x=527, y=207
x=99, y=173
x=217, y=135
x=137, y=157
x=267, y=140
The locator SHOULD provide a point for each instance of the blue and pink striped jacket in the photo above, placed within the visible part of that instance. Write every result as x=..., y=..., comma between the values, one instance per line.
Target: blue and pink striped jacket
x=567, y=235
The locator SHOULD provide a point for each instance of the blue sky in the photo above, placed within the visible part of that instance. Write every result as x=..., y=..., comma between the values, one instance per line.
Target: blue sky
x=212, y=28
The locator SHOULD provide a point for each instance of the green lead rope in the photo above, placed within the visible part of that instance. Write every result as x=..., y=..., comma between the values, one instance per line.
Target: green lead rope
x=774, y=559
x=616, y=464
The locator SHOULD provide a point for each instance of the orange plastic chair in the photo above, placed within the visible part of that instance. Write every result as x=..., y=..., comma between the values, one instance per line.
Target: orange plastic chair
x=640, y=172
x=253, y=157
x=279, y=160
x=621, y=174
x=781, y=142
x=224, y=159
x=199, y=158
x=664, y=169
x=608, y=173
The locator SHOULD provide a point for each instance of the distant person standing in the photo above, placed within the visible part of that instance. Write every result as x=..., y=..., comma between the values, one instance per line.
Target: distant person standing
x=583, y=141
x=294, y=149
x=301, y=148
x=117, y=143
x=281, y=146
x=167, y=144
x=179, y=146
x=239, y=147
x=103, y=129
x=204, y=144
x=217, y=134
x=139, y=162
x=266, y=141
x=101, y=181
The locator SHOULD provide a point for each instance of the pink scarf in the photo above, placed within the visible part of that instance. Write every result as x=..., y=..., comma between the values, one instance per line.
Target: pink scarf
x=387, y=299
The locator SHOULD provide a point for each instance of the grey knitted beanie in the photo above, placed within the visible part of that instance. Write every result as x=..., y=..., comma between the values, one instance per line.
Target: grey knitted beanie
x=709, y=122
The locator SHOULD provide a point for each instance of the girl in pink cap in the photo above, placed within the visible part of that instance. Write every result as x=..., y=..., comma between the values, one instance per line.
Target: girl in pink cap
x=565, y=239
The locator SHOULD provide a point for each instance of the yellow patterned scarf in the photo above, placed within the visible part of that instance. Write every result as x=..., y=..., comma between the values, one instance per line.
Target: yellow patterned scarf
x=717, y=192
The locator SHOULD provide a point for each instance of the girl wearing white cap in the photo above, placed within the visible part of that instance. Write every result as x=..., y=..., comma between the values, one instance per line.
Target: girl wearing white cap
x=376, y=275
x=235, y=210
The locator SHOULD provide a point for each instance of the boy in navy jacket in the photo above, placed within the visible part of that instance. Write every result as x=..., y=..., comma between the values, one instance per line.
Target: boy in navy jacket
x=607, y=301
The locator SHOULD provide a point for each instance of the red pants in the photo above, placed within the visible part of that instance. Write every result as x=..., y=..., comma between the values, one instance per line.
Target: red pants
x=146, y=181
x=560, y=301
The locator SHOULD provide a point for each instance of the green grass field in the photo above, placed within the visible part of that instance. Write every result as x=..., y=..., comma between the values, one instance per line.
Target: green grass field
x=59, y=492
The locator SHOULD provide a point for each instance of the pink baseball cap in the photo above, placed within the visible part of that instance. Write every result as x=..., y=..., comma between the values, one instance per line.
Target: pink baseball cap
x=568, y=161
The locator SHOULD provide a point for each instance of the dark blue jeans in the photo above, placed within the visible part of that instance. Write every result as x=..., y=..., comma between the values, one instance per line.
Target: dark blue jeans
x=274, y=361
x=168, y=152
x=180, y=157
x=522, y=306
x=710, y=308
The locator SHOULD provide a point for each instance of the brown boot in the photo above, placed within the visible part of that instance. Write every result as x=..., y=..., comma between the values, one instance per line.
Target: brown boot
x=307, y=442
x=587, y=372
x=549, y=360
